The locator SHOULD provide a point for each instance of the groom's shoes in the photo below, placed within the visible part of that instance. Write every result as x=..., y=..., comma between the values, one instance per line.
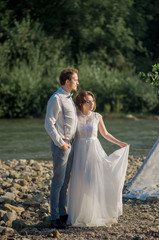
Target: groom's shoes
x=58, y=224
x=64, y=218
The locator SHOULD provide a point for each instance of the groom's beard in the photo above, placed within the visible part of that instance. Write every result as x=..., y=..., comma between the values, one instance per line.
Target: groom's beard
x=74, y=89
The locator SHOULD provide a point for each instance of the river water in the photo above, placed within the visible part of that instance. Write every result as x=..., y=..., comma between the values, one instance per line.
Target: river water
x=27, y=138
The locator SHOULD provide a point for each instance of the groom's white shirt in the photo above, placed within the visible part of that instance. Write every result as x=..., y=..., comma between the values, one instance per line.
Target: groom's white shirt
x=61, y=112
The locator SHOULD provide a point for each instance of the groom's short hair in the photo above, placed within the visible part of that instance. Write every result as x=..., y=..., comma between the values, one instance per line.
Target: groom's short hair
x=66, y=74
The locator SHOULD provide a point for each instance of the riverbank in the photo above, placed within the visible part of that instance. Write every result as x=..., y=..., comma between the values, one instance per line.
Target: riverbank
x=24, y=207
x=131, y=116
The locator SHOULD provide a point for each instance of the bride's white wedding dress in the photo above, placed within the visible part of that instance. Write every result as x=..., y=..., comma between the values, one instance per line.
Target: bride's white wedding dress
x=95, y=190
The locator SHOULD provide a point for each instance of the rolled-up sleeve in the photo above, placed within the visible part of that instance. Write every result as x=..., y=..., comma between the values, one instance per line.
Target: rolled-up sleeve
x=52, y=112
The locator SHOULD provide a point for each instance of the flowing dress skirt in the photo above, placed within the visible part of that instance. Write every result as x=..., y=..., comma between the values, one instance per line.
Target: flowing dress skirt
x=95, y=190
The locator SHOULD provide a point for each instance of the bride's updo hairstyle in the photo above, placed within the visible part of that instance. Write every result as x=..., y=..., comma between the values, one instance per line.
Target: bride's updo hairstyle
x=80, y=99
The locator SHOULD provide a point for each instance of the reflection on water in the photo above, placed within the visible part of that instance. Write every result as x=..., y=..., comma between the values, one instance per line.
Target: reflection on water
x=27, y=138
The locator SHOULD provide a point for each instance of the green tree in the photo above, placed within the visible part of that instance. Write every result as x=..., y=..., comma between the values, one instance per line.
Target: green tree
x=152, y=77
x=119, y=33
x=30, y=63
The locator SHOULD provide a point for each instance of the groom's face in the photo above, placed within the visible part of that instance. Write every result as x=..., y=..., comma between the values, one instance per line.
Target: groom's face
x=74, y=82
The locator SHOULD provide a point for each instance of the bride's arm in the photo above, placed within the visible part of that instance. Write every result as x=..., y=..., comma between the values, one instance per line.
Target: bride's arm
x=107, y=135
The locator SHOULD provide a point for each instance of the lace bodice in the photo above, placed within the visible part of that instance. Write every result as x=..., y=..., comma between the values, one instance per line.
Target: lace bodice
x=87, y=126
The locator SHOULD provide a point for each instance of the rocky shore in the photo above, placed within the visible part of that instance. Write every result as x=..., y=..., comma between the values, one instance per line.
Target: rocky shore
x=25, y=213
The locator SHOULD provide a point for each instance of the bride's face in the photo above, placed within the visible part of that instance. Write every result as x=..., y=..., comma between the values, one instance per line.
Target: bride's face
x=89, y=105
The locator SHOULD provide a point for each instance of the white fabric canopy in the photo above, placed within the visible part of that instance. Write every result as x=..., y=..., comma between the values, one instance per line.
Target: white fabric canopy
x=146, y=182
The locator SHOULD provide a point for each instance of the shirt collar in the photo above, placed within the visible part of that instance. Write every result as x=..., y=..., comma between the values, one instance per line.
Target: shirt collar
x=65, y=92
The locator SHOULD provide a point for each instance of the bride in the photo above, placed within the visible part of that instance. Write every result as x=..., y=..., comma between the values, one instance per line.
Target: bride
x=95, y=191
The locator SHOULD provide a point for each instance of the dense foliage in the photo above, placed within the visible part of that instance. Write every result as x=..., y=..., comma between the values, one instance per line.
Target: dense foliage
x=152, y=77
x=108, y=41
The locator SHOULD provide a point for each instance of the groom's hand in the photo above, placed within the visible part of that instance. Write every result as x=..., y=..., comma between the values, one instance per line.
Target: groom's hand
x=65, y=146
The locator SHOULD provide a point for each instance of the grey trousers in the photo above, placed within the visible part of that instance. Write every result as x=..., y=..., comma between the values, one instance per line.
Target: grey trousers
x=62, y=164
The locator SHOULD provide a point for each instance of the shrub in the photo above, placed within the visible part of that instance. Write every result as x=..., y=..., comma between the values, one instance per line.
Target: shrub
x=121, y=91
x=30, y=64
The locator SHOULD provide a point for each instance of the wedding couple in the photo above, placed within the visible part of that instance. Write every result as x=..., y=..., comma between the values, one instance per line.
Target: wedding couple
x=95, y=179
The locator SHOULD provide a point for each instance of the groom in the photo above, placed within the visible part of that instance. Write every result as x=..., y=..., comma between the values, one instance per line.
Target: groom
x=60, y=124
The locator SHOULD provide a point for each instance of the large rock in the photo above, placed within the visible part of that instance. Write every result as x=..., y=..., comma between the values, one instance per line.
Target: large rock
x=18, y=210
x=22, y=182
x=16, y=185
x=2, y=212
x=5, y=230
x=22, y=161
x=18, y=225
x=9, y=195
x=130, y=116
x=14, y=174
x=27, y=178
x=31, y=203
x=14, y=191
x=38, y=167
x=10, y=216
x=1, y=191
x=31, y=162
x=6, y=185
x=2, y=223
x=8, y=224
